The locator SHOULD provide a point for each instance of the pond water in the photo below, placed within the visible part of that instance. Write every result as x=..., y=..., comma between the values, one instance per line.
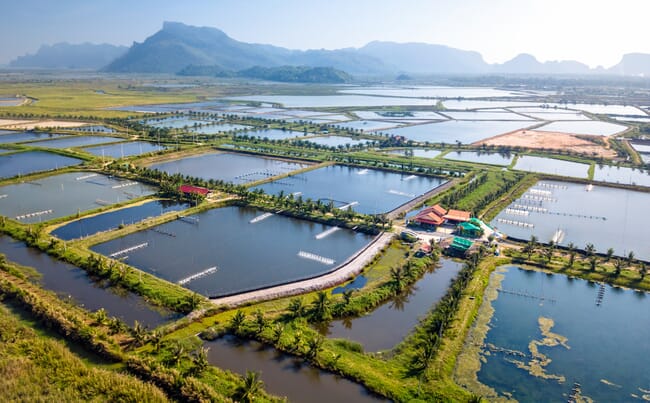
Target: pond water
x=113, y=219
x=69, y=281
x=33, y=161
x=605, y=217
x=417, y=152
x=94, y=129
x=551, y=166
x=626, y=119
x=229, y=167
x=589, y=127
x=122, y=150
x=433, y=92
x=603, y=109
x=247, y=255
x=19, y=137
x=400, y=116
x=272, y=134
x=480, y=157
x=402, y=312
x=335, y=141
x=372, y=191
x=568, y=115
x=323, y=101
x=642, y=147
x=358, y=283
x=75, y=141
x=472, y=104
x=624, y=175
x=66, y=194
x=485, y=115
x=284, y=375
x=368, y=125
x=451, y=131
x=606, y=345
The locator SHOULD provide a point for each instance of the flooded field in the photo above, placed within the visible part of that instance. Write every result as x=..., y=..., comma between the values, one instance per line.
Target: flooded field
x=551, y=166
x=603, y=109
x=229, y=167
x=426, y=91
x=417, y=152
x=284, y=375
x=623, y=175
x=33, y=161
x=480, y=157
x=325, y=101
x=591, y=127
x=113, y=219
x=400, y=115
x=402, y=312
x=122, y=150
x=335, y=141
x=75, y=141
x=368, y=191
x=272, y=134
x=583, y=334
x=553, y=116
x=486, y=115
x=235, y=249
x=465, y=132
x=71, y=282
x=368, y=125
x=66, y=194
x=20, y=137
x=570, y=212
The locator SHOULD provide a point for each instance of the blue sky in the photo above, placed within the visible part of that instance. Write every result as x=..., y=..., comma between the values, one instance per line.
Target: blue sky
x=596, y=32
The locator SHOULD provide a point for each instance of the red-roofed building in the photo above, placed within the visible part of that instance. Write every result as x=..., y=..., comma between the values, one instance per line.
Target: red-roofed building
x=194, y=190
x=457, y=215
x=430, y=216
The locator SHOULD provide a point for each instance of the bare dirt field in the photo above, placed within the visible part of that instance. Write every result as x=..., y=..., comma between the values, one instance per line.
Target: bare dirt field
x=550, y=140
x=5, y=123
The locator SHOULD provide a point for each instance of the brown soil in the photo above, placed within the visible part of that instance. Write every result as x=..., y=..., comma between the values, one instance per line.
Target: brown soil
x=550, y=140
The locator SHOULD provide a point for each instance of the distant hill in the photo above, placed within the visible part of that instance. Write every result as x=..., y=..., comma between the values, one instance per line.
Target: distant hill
x=85, y=56
x=287, y=74
x=425, y=58
x=528, y=64
x=633, y=64
x=177, y=46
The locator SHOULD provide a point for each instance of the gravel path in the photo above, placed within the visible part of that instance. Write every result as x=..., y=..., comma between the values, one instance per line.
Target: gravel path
x=349, y=268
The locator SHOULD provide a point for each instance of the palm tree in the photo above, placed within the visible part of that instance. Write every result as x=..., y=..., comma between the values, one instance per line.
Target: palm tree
x=642, y=270
x=572, y=254
x=139, y=333
x=155, y=338
x=610, y=253
x=200, y=360
x=260, y=321
x=297, y=307
x=314, y=346
x=251, y=387
x=278, y=331
x=397, y=276
x=178, y=352
x=590, y=249
x=630, y=258
x=237, y=321
x=618, y=266
x=347, y=295
x=593, y=261
x=321, y=306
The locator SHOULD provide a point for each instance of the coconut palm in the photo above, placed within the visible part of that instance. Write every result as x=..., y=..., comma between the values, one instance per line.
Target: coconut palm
x=347, y=296
x=590, y=249
x=200, y=360
x=610, y=253
x=237, y=321
x=572, y=254
x=321, y=306
x=297, y=307
x=251, y=386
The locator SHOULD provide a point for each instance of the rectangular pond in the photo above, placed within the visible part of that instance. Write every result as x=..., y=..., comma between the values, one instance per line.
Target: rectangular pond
x=586, y=336
x=426, y=91
x=235, y=249
x=480, y=157
x=73, y=283
x=399, y=115
x=570, y=212
x=623, y=175
x=229, y=167
x=402, y=312
x=416, y=152
x=283, y=374
x=332, y=101
x=33, y=161
x=75, y=141
x=368, y=125
x=589, y=127
x=20, y=137
x=113, y=219
x=452, y=131
x=271, y=134
x=66, y=194
x=551, y=166
x=122, y=150
x=335, y=141
x=368, y=191
x=486, y=115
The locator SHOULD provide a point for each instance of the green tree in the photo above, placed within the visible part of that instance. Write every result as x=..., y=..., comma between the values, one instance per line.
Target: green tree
x=251, y=386
x=572, y=254
x=347, y=296
x=610, y=253
x=237, y=322
x=321, y=306
x=200, y=360
x=297, y=307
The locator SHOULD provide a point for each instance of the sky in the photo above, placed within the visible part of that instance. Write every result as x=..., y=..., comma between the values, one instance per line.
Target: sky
x=595, y=32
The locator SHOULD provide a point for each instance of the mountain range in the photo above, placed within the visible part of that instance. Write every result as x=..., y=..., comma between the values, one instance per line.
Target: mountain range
x=182, y=48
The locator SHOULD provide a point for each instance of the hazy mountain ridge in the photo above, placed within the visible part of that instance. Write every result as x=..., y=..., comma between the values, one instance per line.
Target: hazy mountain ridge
x=287, y=74
x=70, y=56
x=177, y=46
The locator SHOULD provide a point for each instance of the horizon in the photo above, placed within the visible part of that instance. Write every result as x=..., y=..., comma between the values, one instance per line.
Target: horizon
x=276, y=23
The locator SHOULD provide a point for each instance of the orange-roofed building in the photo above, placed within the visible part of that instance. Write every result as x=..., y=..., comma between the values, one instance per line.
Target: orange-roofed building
x=430, y=216
x=457, y=215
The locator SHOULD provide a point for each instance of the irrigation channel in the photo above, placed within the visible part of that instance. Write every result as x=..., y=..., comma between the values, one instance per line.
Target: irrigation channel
x=73, y=283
